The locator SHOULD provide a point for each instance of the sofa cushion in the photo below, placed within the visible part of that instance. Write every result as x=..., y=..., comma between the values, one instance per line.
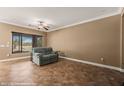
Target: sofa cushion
x=49, y=56
x=48, y=51
x=45, y=57
x=42, y=50
x=52, y=55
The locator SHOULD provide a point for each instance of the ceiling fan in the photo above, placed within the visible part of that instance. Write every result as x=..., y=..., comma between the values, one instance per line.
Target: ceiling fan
x=41, y=25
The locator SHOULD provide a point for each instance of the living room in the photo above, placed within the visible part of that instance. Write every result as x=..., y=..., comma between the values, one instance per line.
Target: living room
x=61, y=46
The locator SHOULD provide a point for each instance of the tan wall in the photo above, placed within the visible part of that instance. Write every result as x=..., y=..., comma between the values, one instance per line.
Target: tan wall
x=90, y=41
x=6, y=37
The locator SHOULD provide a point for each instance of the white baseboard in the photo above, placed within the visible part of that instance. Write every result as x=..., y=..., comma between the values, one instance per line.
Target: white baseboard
x=95, y=64
x=77, y=60
x=122, y=70
x=11, y=59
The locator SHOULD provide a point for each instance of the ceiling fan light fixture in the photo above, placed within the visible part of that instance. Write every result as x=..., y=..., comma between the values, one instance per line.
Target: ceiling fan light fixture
x=40, y=26
x=44, y=24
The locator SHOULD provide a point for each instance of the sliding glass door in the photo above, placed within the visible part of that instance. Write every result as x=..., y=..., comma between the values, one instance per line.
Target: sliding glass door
x=16, y=42
x=25, y=42
x=37, y=41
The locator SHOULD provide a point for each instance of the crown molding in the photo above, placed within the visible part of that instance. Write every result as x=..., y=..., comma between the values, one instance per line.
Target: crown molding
x=10, y=23
x=90, y=20
x=120, y=9
x=70, y=25
x=86, y=21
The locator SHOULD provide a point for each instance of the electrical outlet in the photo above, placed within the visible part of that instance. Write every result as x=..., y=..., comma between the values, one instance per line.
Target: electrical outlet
x=102, y=59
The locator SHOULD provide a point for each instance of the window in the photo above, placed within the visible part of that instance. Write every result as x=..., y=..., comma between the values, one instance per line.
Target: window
x=38, y=41
x=24, y=42
x=16, y=42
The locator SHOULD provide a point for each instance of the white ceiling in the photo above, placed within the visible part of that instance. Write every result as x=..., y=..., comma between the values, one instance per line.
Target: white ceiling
x=56, y=17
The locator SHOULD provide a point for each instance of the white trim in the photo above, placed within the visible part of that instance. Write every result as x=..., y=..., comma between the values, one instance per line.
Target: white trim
x=120, y=10
x=121, y=41
x=74, y=24
x=10, y=23
x=86, y=21
x=95, y=64
x=11, y=59
x=122, y=70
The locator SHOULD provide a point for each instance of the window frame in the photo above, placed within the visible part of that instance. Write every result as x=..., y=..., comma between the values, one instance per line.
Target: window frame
x=35, y=40
x=20, y=41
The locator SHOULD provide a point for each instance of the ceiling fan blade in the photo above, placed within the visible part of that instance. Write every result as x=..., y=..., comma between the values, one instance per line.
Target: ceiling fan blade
x=40, y=26
x=45, y=28
x=32, y=25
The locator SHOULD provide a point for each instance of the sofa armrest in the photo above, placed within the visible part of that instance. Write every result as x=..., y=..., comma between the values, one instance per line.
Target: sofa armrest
x=55, y=52
x=38, y=54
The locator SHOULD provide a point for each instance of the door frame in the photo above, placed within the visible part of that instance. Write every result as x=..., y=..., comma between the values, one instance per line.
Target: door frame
x=121, y=39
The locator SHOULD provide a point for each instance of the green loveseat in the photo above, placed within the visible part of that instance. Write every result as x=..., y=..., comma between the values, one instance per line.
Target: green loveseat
x=42, y=56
